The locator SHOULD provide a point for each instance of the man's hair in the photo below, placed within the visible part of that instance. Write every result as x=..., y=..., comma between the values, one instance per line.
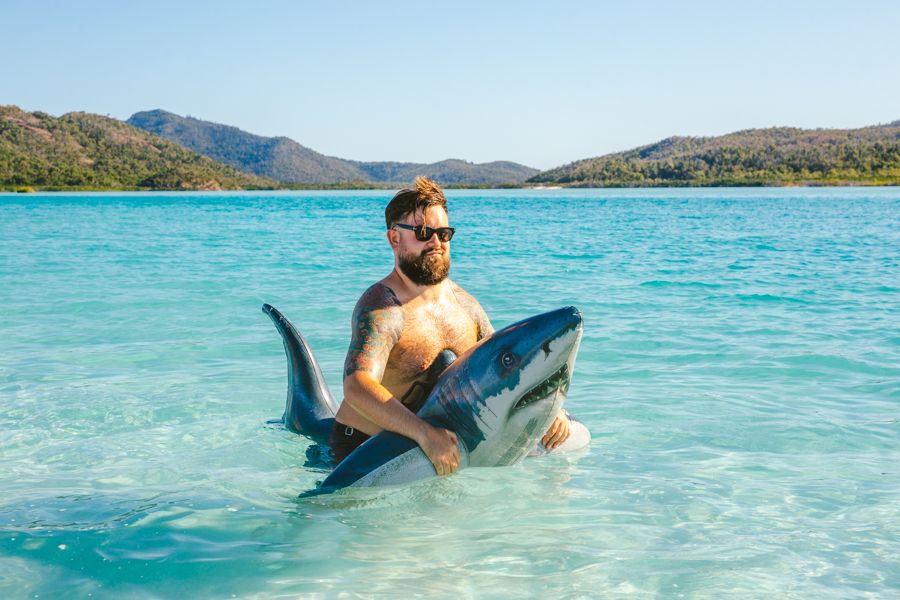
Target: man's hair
x=426, y=194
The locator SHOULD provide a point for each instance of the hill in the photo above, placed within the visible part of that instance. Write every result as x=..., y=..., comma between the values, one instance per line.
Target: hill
x=279, y=158
x=285, y=160
x=448, y=172
x=86, y=151
x=775, y=156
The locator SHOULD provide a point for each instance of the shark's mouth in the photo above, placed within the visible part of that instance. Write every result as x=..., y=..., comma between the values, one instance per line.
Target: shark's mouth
x=558, y=381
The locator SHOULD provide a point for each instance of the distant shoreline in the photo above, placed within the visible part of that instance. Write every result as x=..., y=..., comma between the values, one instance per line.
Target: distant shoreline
x=381, y=187
x=93, y=153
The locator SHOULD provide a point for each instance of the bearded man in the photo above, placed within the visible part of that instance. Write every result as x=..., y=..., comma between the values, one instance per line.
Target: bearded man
x=402, y=327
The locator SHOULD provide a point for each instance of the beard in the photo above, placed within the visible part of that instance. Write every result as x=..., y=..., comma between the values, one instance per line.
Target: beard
x=424, y=269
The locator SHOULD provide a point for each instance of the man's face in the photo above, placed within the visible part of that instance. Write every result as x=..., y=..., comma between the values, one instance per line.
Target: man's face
x=428, y=262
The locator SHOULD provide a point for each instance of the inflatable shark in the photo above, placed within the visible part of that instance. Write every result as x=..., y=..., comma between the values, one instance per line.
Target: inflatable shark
x=499, y=397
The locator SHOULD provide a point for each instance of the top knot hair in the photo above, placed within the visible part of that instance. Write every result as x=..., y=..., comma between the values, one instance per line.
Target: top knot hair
x=426, y=194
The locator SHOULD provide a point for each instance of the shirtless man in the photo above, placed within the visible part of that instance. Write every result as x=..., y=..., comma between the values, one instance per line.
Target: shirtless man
x=400, y=326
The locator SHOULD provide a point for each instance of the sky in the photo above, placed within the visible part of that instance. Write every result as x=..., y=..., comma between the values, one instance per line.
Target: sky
x=538, y=83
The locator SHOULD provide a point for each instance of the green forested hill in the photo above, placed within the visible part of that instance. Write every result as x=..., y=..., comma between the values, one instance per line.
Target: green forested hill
x=777, y=156
x=279, y=158
x=285, y=160
x=86, y=151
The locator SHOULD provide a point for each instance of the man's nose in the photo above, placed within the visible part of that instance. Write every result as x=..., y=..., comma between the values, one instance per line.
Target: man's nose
x=433, y=241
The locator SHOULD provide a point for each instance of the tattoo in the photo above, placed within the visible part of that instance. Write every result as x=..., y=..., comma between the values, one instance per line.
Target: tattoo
x=377, y=325
x=474, y=310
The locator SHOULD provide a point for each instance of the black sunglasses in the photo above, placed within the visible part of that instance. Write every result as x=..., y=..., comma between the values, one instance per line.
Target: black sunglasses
x=423, y=234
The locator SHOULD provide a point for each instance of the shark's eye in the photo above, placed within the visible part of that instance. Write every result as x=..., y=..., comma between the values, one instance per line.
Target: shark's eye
x=507, y=359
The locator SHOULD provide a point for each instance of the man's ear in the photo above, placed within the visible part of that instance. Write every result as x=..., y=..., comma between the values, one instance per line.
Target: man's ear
x=393, y=237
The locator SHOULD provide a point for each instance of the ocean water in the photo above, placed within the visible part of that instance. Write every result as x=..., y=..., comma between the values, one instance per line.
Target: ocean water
x=739, y=372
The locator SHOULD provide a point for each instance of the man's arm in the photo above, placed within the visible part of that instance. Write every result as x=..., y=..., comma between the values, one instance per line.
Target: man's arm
x=377, y=326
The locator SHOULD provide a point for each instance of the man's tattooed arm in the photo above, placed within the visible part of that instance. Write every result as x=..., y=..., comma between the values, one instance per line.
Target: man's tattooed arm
x=474, y=310
x=377, y=325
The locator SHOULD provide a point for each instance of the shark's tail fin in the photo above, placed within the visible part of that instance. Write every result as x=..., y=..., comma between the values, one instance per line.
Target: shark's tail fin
x=310, y=408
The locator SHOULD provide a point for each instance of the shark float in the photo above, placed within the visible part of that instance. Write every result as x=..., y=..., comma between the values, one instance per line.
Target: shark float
x=499, y=397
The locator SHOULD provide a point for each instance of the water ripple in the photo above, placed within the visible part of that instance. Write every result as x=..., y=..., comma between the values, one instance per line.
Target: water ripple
x=739, y=373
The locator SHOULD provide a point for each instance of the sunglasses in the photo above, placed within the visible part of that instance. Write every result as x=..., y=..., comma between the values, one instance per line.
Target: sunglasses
x=423, y=234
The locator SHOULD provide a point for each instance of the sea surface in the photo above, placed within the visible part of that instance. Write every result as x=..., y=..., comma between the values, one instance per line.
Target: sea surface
x=739, y=372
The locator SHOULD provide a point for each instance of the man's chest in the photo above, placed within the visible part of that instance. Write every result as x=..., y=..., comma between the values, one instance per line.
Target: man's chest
x=426, y=332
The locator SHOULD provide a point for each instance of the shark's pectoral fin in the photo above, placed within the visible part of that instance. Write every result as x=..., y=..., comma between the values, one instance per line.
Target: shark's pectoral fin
x=418, y=392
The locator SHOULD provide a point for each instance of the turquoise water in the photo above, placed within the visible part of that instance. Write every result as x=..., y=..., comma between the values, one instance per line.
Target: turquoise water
x=740, y=373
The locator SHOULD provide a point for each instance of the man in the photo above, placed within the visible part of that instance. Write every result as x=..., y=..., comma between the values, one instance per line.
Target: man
x=400, y=327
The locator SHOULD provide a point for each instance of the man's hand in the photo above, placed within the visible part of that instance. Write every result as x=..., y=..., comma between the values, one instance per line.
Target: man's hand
x=440, y=447
x=558, y=432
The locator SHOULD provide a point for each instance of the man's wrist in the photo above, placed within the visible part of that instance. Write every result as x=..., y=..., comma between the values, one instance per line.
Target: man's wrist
x=422, y=430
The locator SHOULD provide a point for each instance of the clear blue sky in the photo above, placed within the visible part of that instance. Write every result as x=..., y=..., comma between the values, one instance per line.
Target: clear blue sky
x=541, y=83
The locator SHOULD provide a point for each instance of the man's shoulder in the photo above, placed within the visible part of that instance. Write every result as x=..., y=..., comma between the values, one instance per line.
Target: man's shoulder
x=458, y=291
x=378, y=297
x=473, y=309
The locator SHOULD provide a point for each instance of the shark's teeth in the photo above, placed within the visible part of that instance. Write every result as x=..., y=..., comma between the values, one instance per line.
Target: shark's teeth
x=559, y=379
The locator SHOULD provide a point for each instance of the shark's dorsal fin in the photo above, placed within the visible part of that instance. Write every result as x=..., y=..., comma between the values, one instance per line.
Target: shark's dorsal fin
x=309, y=408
